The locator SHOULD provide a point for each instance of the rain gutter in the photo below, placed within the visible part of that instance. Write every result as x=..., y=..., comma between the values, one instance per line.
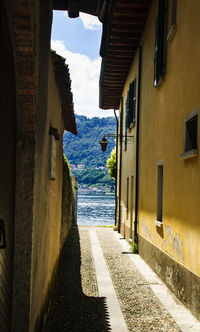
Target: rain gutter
x=116, y=201
x=120, y=163
x=137, y=147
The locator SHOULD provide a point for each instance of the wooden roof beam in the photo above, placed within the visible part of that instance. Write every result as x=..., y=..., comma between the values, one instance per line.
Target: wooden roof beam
x=130, y=11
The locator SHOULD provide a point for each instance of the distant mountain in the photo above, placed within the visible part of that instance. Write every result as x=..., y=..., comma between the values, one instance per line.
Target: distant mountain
x=85, y=149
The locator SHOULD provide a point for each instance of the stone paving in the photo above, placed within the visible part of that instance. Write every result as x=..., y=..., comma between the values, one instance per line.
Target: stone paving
x=76, y=305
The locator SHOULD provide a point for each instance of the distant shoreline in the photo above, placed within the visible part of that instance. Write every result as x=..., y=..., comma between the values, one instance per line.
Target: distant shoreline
x=95, y=192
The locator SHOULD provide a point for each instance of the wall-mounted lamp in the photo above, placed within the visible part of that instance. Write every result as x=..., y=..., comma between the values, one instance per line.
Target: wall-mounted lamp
x=103, y=142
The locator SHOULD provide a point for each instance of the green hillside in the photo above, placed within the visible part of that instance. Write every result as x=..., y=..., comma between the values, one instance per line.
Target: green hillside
x=85, y=149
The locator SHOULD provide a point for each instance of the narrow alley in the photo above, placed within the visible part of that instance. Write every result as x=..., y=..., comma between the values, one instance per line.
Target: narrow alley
x=131, y=67
x=85, y=300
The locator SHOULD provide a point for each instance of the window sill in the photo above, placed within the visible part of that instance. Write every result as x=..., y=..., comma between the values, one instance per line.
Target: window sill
x=171, y=32
x=189, y=154
x=158, y=223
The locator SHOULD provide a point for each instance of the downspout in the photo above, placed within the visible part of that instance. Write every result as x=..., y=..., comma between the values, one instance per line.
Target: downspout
x=117, y=127
x=137, y=147
x=120, y=162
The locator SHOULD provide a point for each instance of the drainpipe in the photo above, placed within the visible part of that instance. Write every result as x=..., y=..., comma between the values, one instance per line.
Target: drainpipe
x=137, y=147
x=117, y=126
x=120, y=162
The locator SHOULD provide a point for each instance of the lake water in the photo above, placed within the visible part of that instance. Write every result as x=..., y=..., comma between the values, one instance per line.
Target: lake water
x=96, y=209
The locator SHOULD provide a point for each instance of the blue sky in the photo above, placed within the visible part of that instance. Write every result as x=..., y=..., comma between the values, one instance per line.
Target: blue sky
x=78, y=40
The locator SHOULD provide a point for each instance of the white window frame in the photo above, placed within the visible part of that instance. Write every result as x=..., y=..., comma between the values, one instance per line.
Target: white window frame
x=159, y=193
x=192, y=152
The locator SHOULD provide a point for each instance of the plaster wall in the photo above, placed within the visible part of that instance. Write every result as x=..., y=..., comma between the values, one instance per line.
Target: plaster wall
x=163, y=111
x=173, y=249
x=129, y=160
x=47, y=208
x=36, y=207
x=67, y=203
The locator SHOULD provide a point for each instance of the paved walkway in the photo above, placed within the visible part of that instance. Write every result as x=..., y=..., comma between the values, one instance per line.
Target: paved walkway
x=102, y=287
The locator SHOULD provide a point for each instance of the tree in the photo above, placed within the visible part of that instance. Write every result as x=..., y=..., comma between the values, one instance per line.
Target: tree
x=111, y=164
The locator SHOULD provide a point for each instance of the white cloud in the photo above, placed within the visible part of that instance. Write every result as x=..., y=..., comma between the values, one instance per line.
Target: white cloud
x=84, y=74
x=90, y=22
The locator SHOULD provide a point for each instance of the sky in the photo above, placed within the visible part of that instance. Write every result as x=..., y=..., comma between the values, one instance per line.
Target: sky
x=78, y=40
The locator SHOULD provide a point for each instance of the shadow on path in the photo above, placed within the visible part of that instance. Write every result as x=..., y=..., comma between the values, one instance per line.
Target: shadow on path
x=71, y=310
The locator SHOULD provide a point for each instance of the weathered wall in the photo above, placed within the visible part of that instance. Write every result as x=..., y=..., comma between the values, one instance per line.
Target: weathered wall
x=67, y=202
x=163, y=111
x=129, y=160
x=47, y=208
x=37, y=208
x=22, y=21
x=75, y=198
x=172, y=249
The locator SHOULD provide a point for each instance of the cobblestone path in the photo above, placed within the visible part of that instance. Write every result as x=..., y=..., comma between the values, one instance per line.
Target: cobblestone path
x=76, y=305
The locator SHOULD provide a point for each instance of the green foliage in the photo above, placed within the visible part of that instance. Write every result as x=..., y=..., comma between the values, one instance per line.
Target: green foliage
x=92, y=176
x=85, y=149
x=134, y=247
x=111, y=164
x=67, y=184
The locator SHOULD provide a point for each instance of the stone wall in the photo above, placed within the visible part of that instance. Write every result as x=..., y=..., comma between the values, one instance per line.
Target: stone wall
x=36, y=201
x=67, y=202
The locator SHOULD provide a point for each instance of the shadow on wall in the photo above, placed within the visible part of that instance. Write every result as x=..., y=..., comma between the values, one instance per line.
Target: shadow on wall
x=71, y=309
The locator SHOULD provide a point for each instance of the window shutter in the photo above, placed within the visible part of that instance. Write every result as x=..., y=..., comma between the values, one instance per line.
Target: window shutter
x=174, y=13
x=131, y=88
x=160, y=44
x=134, y=99
x=128, y=109
x=127, y=117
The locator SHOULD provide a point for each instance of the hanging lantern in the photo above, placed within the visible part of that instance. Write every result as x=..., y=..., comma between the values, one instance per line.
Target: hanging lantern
x=103, y=143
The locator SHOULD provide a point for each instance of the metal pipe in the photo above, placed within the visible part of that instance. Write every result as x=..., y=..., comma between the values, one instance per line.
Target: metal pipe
x=116, y=201
x=137, y=147
x=120, y=163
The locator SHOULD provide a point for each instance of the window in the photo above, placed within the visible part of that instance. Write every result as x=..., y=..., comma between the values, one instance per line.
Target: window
x=131, y=104
x=172, y=22
x=191, y=136
x=130, y=108
x=131, y=207
x=127, y=198
x=159, y=212
x=127, y=116
x=160, y=44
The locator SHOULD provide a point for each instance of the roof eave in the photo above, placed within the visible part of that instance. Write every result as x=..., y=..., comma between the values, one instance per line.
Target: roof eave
x=63, y=82
x=120, y=40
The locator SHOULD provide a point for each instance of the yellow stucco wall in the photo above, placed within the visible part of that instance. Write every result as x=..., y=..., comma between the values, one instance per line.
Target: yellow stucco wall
x=47, y=207
x=55, y=187
x=162, y=122
x=128, y=159
x=163, y=111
